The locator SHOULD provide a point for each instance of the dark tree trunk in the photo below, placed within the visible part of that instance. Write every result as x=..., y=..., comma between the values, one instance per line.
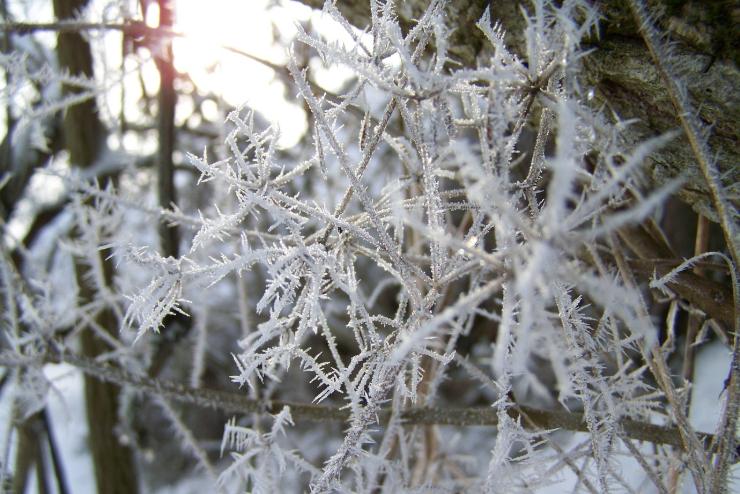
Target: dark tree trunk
x=83, y=132
x=166, y=126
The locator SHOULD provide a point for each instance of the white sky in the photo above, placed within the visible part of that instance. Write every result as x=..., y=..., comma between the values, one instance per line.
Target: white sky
x=256, y=28
x=262, y=28
x=211, y=26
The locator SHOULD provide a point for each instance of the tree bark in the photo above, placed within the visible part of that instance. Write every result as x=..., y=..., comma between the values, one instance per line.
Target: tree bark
x=82, y=127
x=83, y=132
x=621, y=73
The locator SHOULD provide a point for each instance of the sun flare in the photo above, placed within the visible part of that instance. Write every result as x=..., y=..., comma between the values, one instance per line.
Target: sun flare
x=213, y=32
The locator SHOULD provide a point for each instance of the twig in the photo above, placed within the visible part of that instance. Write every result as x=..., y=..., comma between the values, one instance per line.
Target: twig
x=237, y=403
x=711, y=297
x=56, y=461
x=697, y=140
x=64, y=26
x=168, y=234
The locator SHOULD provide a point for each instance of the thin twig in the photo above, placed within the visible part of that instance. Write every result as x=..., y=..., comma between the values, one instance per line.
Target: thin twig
x=702, y=153
x=133, y=28
x=237, y=403
x=56, y=460
x=64, y=26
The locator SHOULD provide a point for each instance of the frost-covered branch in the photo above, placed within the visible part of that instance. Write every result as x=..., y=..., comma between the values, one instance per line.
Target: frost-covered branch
x=237, y=403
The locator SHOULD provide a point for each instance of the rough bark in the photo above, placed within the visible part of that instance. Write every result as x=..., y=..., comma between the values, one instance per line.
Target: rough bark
x=623, y=77
x=82, y=127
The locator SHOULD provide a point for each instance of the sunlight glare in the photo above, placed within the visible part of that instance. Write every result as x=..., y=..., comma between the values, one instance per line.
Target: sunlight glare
x=208, y=29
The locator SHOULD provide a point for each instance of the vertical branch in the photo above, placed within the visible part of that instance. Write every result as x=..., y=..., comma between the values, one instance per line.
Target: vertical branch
x=82, y=127
x=175, y=327
x=61, y=477
x=42, y=477
x=26, y=453
x=725, y=211
x=166, y=126
x=701, y=245
x=31, y=452
x=83, y=131
x=6, y=150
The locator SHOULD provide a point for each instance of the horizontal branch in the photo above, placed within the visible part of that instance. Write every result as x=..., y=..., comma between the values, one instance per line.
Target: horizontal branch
x=139, y=30
x=136, y=29
x=713, y=298
x=62, y=27
x=237, y=403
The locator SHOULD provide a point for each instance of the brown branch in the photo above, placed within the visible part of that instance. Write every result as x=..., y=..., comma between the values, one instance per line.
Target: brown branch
x=133, y=28
x=238, y=403
x=714, y=299
x=61, y=27
x=166, y=127
x=56, y=460
x=84, y=135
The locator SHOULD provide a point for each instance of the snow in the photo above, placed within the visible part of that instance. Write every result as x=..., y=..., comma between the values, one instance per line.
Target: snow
x=66, y=405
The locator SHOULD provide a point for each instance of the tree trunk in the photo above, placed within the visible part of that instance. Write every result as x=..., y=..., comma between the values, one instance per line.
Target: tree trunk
x=83, y=132
x=168, y=236
x=623, y=76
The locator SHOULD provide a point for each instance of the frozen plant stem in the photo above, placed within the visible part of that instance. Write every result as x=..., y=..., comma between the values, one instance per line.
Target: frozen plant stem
x=451, y=204
x=697, y=137
x=464, y=417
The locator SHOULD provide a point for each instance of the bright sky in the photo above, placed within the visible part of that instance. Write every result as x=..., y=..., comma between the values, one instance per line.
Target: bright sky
x=249, y=26
x=262, y=28
x=211, y=26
